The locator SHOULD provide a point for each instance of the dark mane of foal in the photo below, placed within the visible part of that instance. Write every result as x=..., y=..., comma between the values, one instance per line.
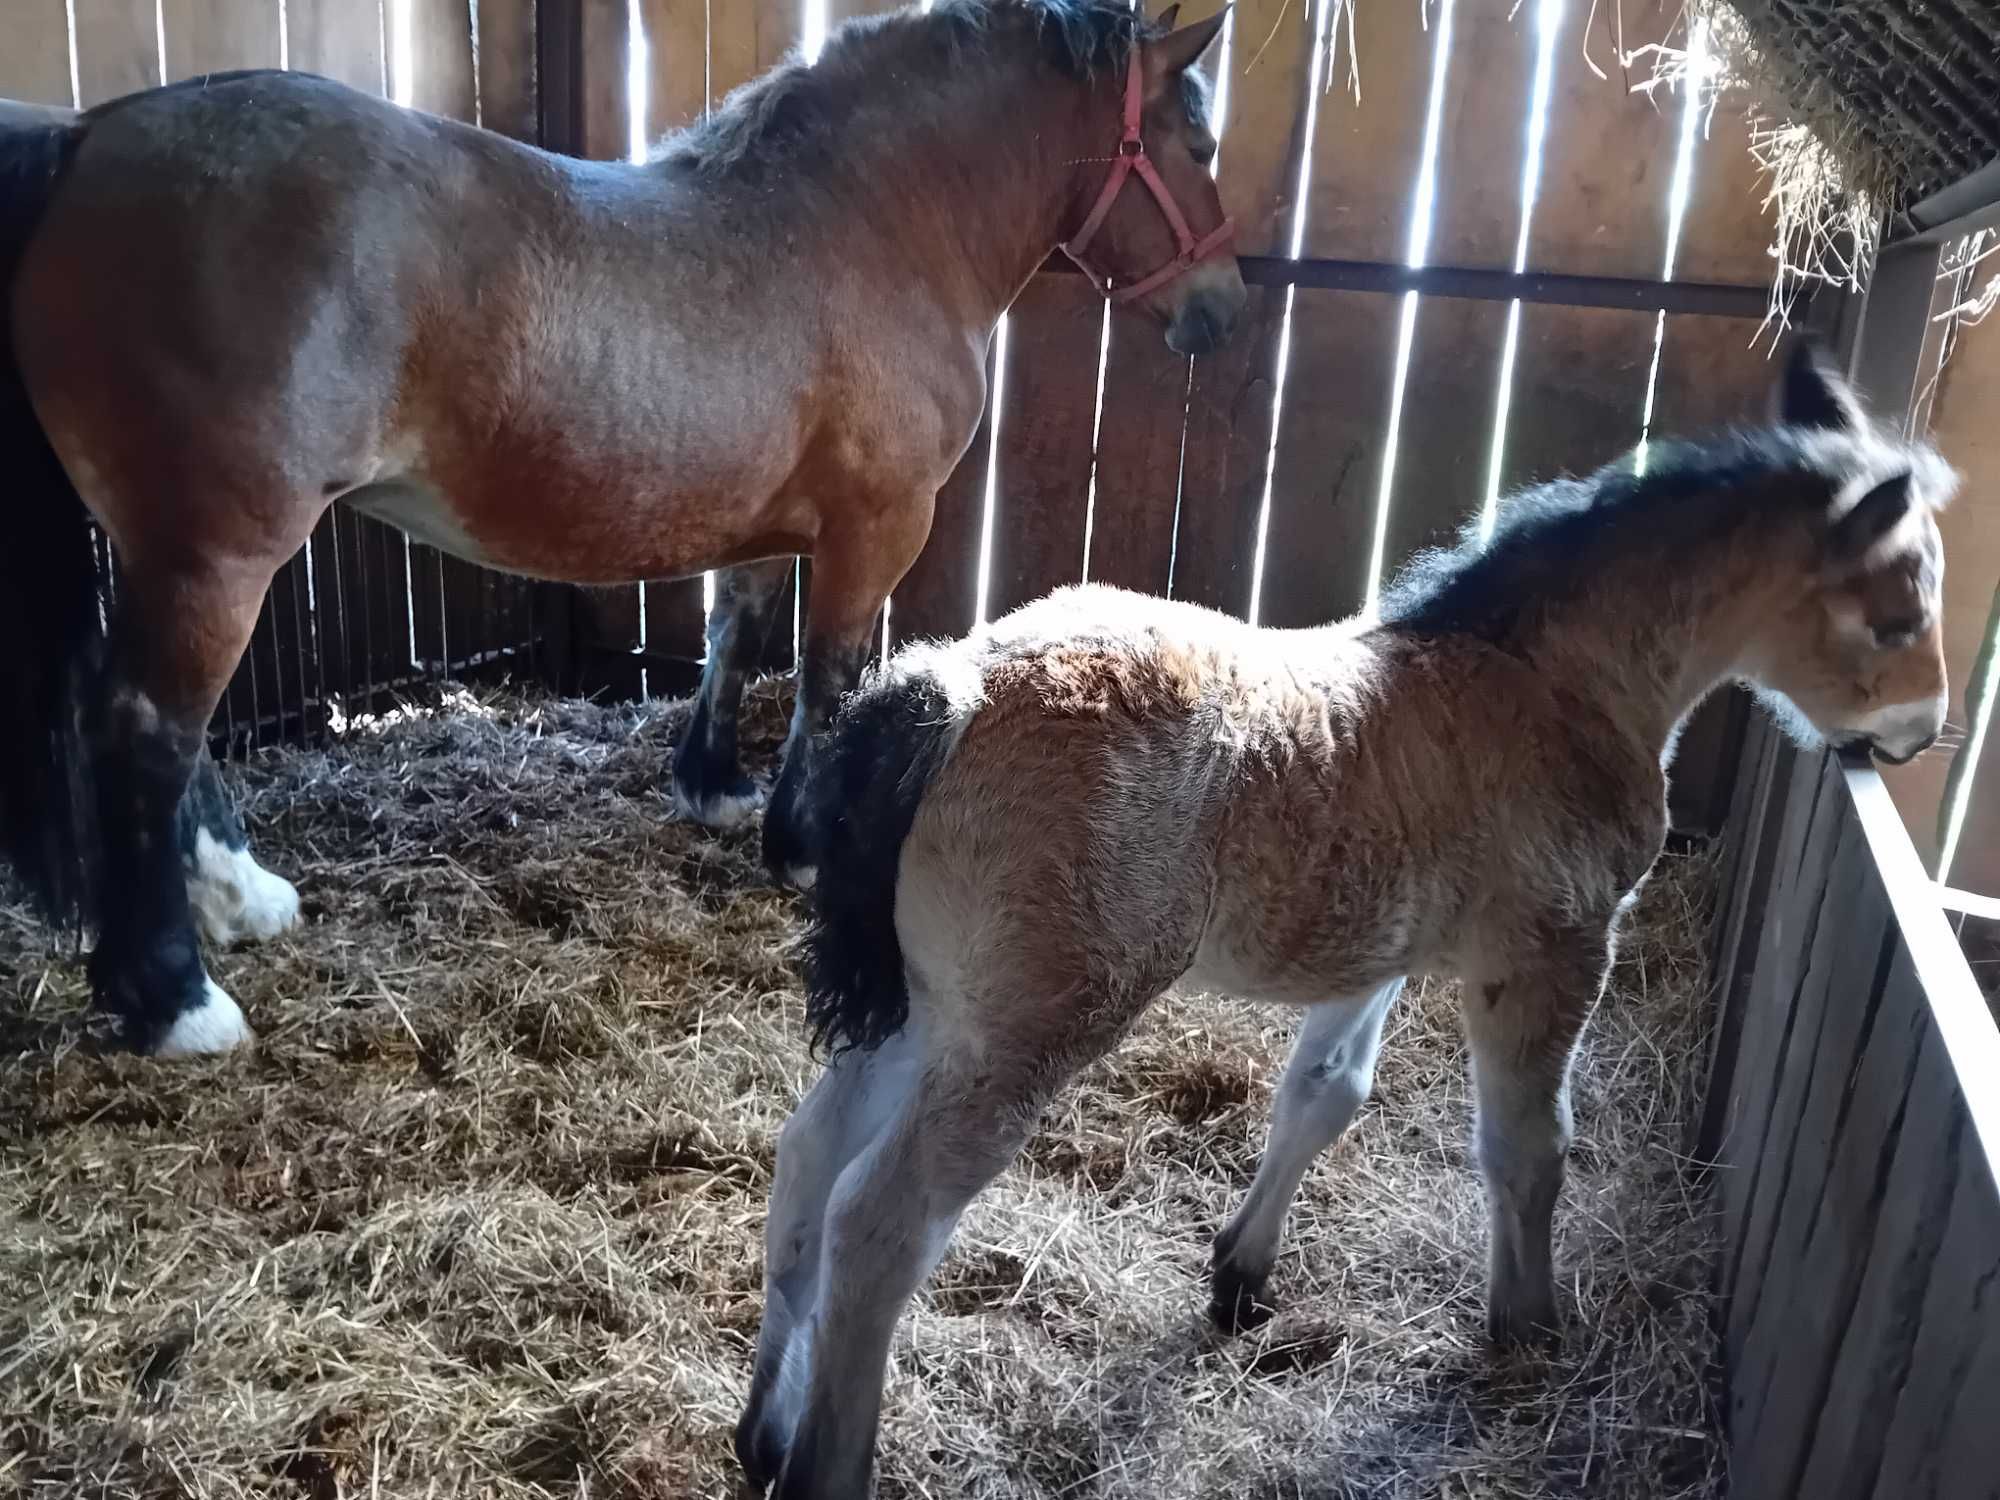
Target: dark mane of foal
x=1548, y=539
x=796, y=109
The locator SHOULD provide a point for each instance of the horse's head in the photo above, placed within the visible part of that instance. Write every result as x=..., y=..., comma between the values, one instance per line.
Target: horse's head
x=1857, y=649
x=1153, y=230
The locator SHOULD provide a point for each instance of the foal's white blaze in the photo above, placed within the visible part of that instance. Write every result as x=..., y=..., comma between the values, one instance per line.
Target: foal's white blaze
x=234, y=897
x=215, y=1025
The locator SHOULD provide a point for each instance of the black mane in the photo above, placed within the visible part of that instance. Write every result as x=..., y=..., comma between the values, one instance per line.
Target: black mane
x=1546, y=537
x=797, y=107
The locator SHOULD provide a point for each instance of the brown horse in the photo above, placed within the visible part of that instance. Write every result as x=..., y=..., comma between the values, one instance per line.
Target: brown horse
x=1035, y=831
x=233, y=302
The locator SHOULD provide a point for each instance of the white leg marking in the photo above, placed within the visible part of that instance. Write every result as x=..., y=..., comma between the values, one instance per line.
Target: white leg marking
x=234, y=897
x=719, y=810
x=215, y=1025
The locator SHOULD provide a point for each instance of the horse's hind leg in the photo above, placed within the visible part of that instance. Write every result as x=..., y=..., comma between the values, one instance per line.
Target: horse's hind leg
x=234, y=898
x=1332, y=1068
x=855, y=1098
x=709, y=785
x=177, y=635
x=1522, y=1029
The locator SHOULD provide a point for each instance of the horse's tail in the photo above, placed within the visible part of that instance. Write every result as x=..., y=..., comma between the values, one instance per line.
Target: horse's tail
x=51, y=637
x=868, y=780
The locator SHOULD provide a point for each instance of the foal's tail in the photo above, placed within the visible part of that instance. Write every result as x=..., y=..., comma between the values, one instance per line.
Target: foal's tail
x=891, y=738
x=51, y=639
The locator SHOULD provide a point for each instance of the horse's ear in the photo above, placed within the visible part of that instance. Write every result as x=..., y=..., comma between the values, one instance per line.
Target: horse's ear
x=1872, y=517
x=1176, y=53
x=1812, y=393
x=1166, y=18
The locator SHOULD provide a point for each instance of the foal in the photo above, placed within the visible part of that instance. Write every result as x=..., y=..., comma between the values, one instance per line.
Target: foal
x=1036, y=831
x=228, y=304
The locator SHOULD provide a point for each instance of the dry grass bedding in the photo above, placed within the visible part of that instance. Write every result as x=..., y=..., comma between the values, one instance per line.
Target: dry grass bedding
x=481, y=1214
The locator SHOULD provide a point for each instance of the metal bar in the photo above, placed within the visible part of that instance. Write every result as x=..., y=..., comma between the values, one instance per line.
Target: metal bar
x=1482, y=285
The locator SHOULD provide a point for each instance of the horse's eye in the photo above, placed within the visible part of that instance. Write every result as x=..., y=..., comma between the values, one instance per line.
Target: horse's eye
x=1894, y=634
x=1203, y=152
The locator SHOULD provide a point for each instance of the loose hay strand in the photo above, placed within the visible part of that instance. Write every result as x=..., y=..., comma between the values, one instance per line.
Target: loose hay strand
x=482, y=1212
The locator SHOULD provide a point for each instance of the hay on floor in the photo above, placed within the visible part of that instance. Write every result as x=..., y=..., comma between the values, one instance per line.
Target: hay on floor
x=481, y=1213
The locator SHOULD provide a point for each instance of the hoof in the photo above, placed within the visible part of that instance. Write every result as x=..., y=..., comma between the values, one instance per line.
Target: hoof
x=214, y=1025
x=1523, y=1328
x=235, y=899
x=758, y=1451
x=1236, y=1302
x=730, y=808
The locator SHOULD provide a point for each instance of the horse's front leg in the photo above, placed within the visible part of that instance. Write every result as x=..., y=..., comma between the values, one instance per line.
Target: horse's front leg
x=853, y=571
x=709, y=785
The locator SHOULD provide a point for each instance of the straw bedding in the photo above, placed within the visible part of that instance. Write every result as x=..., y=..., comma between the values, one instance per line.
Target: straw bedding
x=481, y=1214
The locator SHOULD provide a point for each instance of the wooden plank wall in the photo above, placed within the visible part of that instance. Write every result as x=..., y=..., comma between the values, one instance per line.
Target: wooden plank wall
x=1857, y=1178
x=358, y=613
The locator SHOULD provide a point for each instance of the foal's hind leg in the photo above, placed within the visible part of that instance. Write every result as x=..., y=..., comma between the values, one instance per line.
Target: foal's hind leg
x=709, y=785
x=234, y=897
x=1330, y=1073
x=850, y=1105
x=1522, y=1028
x=177, y=636
x=888, y=1224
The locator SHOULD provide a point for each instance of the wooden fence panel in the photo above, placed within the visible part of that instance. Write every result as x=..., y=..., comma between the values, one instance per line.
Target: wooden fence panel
x=34, y=65
x=1047, y=420
x=335, y=39
x=117, y=48
x=1169, y=445
x=1341, y=373
x=1858, y=1158
x=505, y=68
x=1227, y=439
x=939, y=595
x=211, y=36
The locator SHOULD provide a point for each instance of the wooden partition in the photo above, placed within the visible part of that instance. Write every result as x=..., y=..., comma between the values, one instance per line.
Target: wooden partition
x=1854, y=1117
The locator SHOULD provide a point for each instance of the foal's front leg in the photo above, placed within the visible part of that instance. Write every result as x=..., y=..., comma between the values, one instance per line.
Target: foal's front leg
x=709, y=785
x=1331, y=1071
x=1522, y=1026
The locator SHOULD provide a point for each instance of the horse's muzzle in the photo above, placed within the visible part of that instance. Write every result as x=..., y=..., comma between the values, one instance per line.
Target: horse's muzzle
x=1202, y=324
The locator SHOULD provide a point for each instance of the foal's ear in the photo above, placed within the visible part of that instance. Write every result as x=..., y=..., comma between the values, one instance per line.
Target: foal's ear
x=1873, y=517
x=1178, y=52
x=1813, y=394
x=1166, y=18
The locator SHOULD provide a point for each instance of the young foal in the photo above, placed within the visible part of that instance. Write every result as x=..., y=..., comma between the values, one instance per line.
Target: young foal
x=1036, y=831
x=227, y=304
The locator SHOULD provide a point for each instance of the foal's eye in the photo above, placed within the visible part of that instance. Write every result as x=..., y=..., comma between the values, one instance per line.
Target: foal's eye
x=1892, y=635
x=1203, y=152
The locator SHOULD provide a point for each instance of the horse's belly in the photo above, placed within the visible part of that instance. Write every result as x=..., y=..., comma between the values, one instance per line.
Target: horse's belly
x=423, y=516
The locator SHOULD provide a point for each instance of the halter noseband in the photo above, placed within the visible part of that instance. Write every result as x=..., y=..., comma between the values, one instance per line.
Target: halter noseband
x=1132, y=158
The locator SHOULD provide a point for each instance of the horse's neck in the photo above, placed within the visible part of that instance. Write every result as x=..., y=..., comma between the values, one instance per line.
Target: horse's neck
x=1653, y=634
x=969, y=191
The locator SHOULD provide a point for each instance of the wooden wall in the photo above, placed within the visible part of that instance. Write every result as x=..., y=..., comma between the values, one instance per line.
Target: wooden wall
x=1855, y=1121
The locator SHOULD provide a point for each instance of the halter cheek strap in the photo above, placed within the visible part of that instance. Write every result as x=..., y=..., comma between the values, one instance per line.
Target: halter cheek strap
x=1132, y=158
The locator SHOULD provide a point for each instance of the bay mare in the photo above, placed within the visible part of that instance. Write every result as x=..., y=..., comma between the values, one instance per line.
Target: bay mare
x=1036, y=831
x=233, y=302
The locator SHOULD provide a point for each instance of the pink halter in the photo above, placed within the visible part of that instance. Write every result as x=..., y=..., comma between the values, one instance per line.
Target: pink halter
x=1132, y=158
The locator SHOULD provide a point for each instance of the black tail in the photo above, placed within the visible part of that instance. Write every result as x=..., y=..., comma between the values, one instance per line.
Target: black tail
x=869, y=778
x=51, y=639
